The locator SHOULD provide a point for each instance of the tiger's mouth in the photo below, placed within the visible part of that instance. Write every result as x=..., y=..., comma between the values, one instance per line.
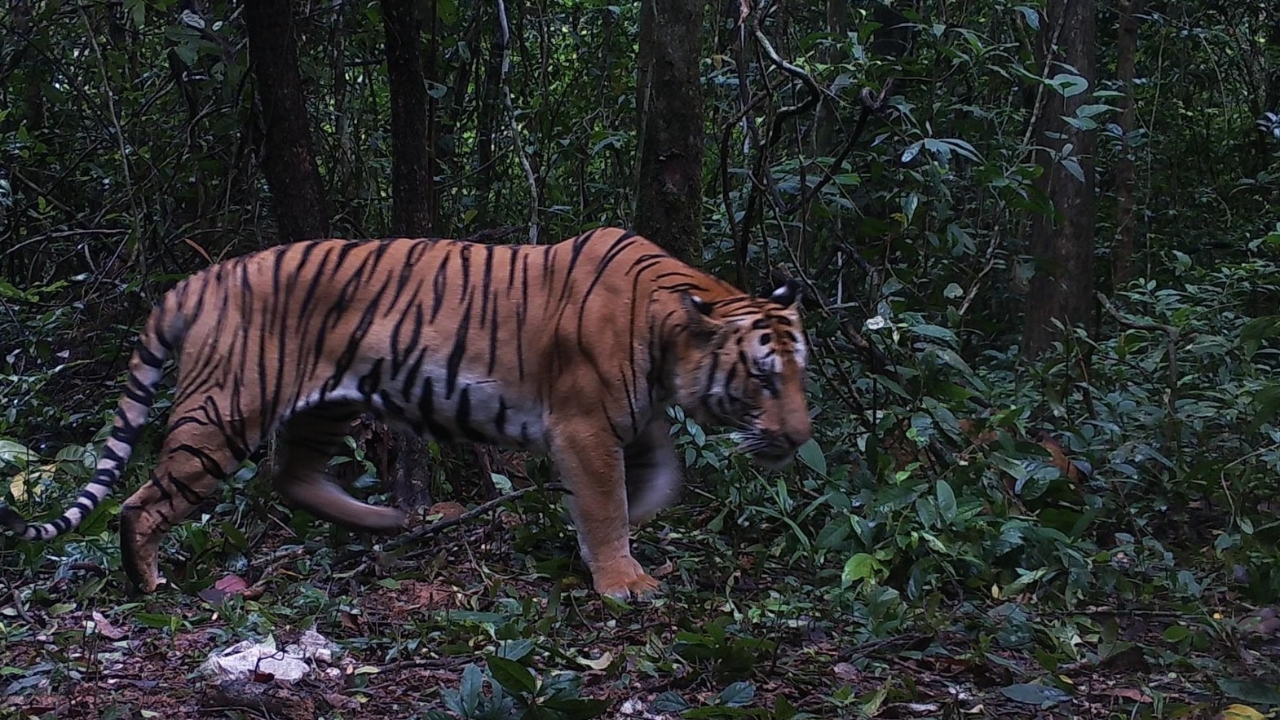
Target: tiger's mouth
x=773, y=459
x=770, y=454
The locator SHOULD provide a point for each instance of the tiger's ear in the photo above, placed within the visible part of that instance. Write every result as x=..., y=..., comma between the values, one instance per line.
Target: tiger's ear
x=788, y=294
x=698, y=313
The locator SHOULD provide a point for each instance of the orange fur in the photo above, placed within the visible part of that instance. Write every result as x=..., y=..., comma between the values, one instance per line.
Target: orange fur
x=576, y=349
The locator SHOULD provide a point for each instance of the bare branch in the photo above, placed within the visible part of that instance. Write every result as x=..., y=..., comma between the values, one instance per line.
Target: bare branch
x=504, y=37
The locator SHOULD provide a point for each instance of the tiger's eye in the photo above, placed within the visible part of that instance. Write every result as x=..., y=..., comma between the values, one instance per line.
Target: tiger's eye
x=765, y=339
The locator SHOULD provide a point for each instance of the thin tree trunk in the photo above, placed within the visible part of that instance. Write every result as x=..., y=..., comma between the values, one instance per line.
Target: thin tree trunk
x=1062, y=243
x=1122, y=249
x=669, y=104
x=411, y=177
x=406, y=457
x=489, y=112
x=288, y=160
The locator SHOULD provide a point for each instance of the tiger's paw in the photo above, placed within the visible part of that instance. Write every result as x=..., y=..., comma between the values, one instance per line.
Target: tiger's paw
x=624, y=580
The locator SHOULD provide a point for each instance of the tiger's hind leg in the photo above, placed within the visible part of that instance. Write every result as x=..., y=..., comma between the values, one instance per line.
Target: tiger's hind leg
x=310, y=440
x=197, y=453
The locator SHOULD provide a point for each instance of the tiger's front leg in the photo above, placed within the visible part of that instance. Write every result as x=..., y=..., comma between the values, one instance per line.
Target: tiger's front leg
x=591, y=464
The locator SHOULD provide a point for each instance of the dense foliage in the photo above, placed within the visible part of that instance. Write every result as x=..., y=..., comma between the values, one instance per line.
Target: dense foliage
x=888, y=161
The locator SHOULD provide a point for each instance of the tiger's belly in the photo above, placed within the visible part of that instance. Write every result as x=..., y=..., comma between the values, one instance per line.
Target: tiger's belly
x=446, y=409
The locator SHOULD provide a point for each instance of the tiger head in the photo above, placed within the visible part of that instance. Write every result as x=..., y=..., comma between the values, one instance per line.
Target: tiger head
x=746, y=370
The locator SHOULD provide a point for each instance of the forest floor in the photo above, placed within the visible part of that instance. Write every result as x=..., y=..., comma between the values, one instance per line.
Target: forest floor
x=732, y=636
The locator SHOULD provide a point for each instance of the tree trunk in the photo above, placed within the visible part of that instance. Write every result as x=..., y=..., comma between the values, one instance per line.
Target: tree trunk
x=489, y=111
x=411, y=176
x=669, y=107
x=287, y=160
x=1062, y=243
x=406, y=459
x=1127, y=49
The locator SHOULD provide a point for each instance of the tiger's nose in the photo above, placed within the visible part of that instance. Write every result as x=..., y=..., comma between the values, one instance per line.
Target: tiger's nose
x=797, y=436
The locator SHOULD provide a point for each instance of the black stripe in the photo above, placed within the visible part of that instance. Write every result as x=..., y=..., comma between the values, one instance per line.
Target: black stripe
x=427, y=409
x=462, y=417
x=459, y=349
x=148, y=357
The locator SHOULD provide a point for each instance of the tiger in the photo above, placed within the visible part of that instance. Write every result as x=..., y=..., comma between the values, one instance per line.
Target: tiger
x=575, y=350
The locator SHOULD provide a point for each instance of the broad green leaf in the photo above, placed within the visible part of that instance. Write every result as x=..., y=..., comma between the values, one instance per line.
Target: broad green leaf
x=833, y=534
x=933, y=331
x=738, y=694
x=470, y=688
x=946, y=500
x=1088, y=111
x=811, y=454
x=1069, y=85
x=1030, y=16
x=1255, y=691
x=859, y=567
x=909, y=205
x=668, y=702
x=511, y=675
x=1072, y=166
x=13, y=452
x=1038, y=695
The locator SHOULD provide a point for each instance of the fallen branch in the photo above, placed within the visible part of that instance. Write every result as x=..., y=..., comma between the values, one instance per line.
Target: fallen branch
x=436, y=528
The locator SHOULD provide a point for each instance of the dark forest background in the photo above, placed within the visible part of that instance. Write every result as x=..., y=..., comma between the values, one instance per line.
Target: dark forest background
x=1041, y=245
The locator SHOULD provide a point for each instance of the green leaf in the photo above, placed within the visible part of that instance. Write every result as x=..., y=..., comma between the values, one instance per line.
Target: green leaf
x=1072, y=166
x=1030, y=15
x=811, y=454
x=912, y=150
x=13, y=452
x=511, y=675
x=1256, y=692
x=782, y=708
x=933, y=331
x=668, y=702
x=859, y=567
x=1038, y=695
x=515, y=649
x=1265, y=404
x=833, y=533
x=1069, y=85
x=469, y=689
x=946, y=500
x=909, y=205
x=738, y=694
x=1088, y=111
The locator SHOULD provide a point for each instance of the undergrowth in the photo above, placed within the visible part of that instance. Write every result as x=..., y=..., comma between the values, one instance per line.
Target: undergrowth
x=924, y=511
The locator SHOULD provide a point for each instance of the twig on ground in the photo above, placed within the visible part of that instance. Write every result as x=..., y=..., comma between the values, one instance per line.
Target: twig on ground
x=436, y=528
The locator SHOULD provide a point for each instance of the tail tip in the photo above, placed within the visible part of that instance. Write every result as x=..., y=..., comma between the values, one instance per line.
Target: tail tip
x=12, y=520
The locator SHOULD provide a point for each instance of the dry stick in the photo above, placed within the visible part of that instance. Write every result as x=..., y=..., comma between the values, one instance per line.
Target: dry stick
x=972, y=294
x=1038, y=107
x=725, y=136
x=504, y=37
x=743, y=240
x=869, y=105
x=437, y=527
x=1172, y=335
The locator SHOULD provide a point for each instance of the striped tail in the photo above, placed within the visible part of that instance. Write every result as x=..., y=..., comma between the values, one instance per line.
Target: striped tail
x=146, y=368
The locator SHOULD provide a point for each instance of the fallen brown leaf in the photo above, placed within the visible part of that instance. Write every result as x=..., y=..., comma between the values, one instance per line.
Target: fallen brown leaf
x=106, y=629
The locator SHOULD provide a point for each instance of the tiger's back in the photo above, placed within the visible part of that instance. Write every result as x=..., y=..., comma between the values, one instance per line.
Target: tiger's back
x=575, y=348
